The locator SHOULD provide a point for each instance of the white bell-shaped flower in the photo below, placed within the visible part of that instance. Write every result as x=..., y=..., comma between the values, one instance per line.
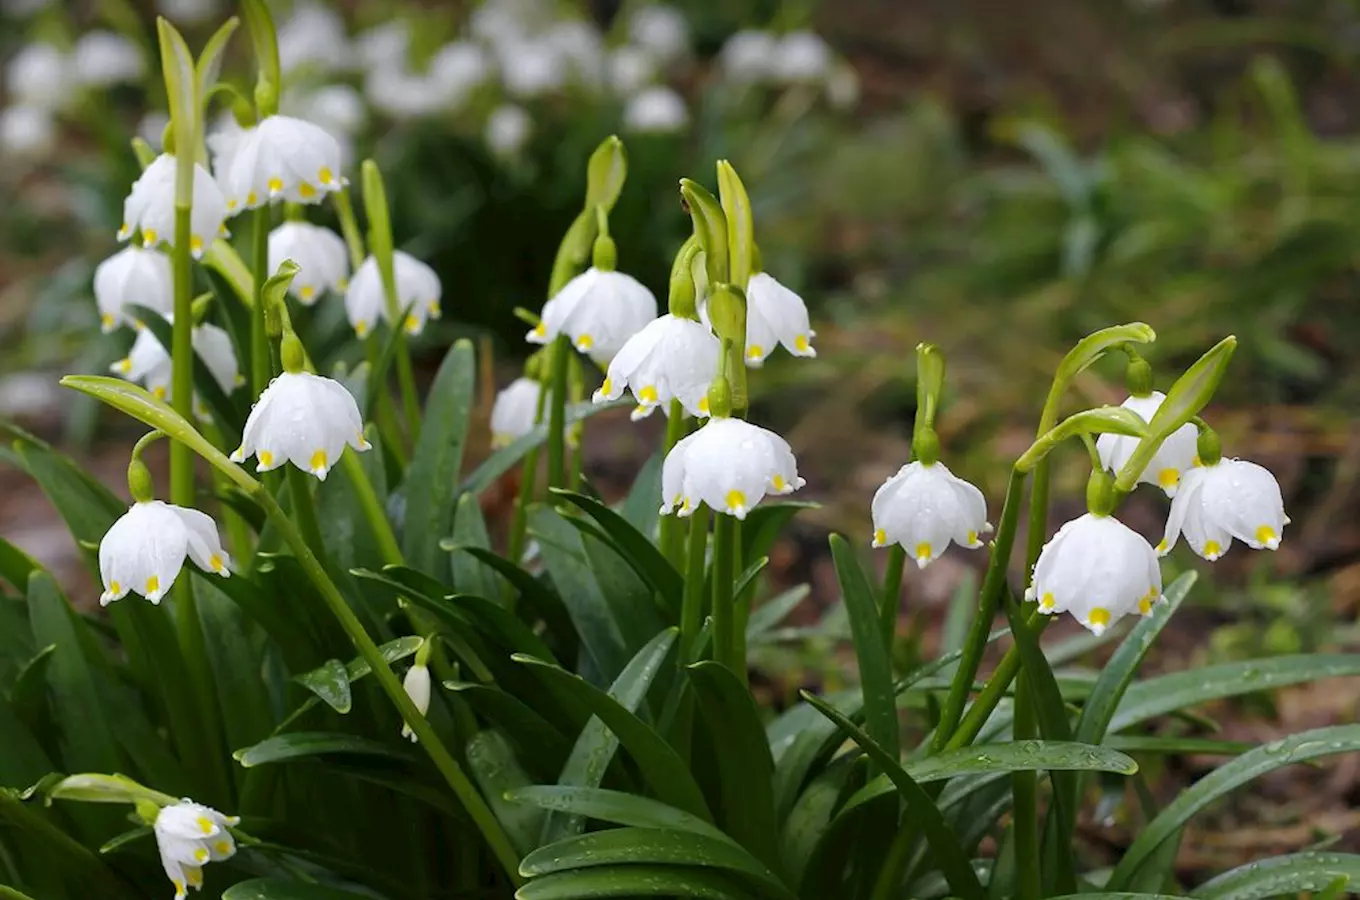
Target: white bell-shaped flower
x=418, y=294
x=188, y=835
x=671, y=358
x=729, y=464
x=133, y=275
x=104, y=58
x=40, y=76
x=750, y=56
x=314, y=37
x=145, y=549
x=802, y=56
x=321, y=256
x=599, y=311
x=27, y=132
x=304, y=419
x=148, y=363
x=1172, y=460
x=924, y=508
x=417, y=685
x=1099, y=570
x=1231, y=498
x=630, y=69
x=515, y=411
x=150, y=207
x=775, y=315
x=508, y=129
x=655, y=110
x=281, y=158
x=661, y=29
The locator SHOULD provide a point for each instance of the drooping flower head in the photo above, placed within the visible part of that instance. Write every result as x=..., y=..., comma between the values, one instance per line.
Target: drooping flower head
x=515, y=411
x=418, y=294
x=1173, y=459
x=1097, y=569
x=188, y=835
x=145, y=549
x=304, y=419
x=671, y=358
x=133, y=275
x=775, y=314
x=148, y=363
x=321, y=256
x=1226, y=499
x=925, y=507
x=150, y=207
x=417, y=686
x=281, y=158
x=729, y=464
x=598, y=310
x=105, y=58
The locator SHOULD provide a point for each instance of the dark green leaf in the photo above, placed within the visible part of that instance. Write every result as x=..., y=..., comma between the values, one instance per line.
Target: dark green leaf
x=540, y=744
x=772, y=612
x=237, y=661
x=634, y=881
x=15, y=565
x=613, y=806
x=1296, y=748
x=509, y=456
x=642, y=505
x=635, y=547
x=433, y=474
x=871, y=650
x=765, y=524
x=541, y=601
x=302, y=744
x=497, y=773
x=330, y=683
x=29, y=695
x=1279, y=876
x=470, y=575
x=284, y=889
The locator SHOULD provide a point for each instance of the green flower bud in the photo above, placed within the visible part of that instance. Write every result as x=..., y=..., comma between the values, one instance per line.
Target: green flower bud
x=140, y=485
x=1138, y=375
x=291, y=353
x=1100, y=495
x=1207, y=446
x=605, y=173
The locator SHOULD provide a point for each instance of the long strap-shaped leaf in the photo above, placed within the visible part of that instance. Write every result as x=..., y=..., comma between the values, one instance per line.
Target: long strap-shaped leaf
x=871, y=651
x=949, y=854
x=1297, y=748
x=634, y=547
x=636, y=881
x=595, y=748
x=614, y=806
x=1281, y=875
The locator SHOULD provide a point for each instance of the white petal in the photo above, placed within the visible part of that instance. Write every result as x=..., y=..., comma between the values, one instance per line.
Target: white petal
x=204, y=543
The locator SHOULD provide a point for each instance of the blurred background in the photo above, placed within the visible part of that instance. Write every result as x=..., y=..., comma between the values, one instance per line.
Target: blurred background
x=996, y=182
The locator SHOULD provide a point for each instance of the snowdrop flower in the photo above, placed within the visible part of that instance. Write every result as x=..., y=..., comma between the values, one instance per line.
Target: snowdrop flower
x=314, y=35
x=661, y=29
x=304, y=419
x=1175, y=457
x=580, y=48
x=418, y=293
x=457, y=69
x=515, y=411
x=145, y=549
x=599, y=311
x=150, y=207
x=151, y=128
x=187, y=12
x=384, y=46
x=39, y=75
x=532, y=68
x=417, y=685
x=132, y=275
x=1231, y=498
x=924, y=507
x=729, y=464
x=507, y=130
x=26, y=131
x=802, y=56
x=20, y=8
x=337, y=108
x=282, y=158
x=670, y=358
x=402, y=94
x=1097, y=569
x=188, y=835
x=321, y=255
x=148, y=362
x=103, y=58
x=630, y=69
x=749, y=55
x=842, y=87
x=658, y=110
x=775, y=315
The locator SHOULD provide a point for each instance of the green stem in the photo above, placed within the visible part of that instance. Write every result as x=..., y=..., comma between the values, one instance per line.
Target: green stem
x=1025, y=803
x=260, y=369
x=891, y=597
x=742, y=606
x=372, y=509
x=349, y=227
x=204, y=746
x=557, y=413
x=406, y=383
x=886, y=887
x=238, y=530
x=457, y=779
x=995, y=688
x=988, y=598
x=724, y=608
x=669, y=536
x=304, y=510
x=692, y=607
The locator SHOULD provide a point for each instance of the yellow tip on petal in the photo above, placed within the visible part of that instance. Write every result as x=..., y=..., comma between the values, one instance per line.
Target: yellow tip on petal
x=541, y=330
x=1098, y=619
x=736, y=500
x=1161, y=546
x=801, y=343
x=1212, y=550
x=106, y=320
x=265, y=457
x=252, y=198
x=972, y=537
x=275, y=185
x=412, y=323
x=115, y=587
x=779, y=482
x=307, y=292
x=608, y=386
x=1046, y=602
x=153, y=585
x=180, y=893
x=201, y=855
x=648, y=395
x=149, y=235
x=124, y=231
x=195, y=876
x=1196, y=462
x=361, y=328
x=205, y=824
x=215, y=563
x=1144, y=606
x=222, y=847
x=433, y=309
x=1168, y=478
x=195, y=244
x=325, y=175
x=1266, y=536
x=755, y=351
x=232, y=204
x=318, y=461
x=880, y=537
x=584, y=343
x=124, y=365
x=306, y=191
x=923, y=552
x=703, y=405
x=158, y=392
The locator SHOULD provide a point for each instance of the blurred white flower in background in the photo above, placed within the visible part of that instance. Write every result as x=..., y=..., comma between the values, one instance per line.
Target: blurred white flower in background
x=656, y=110
x=580, y=46
x=496, y=21
x=456, y=70
x=401, y=94
x=26, y=131
x=314, y=35
x=337, y=108
x=282, y=158
x=842, y=87
x=531, y=68
x=749, y=55
x=384, y=46
x=151, y=128
x=630, y=69
x=515, y=411
x=103, y=58
x=40, y=75
x=802, y=56
x=507, y=130
x=188, y=12
x=133, y=275
x=20, y=8
x=661, y=30
x=418, y=293
x=321, y=256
